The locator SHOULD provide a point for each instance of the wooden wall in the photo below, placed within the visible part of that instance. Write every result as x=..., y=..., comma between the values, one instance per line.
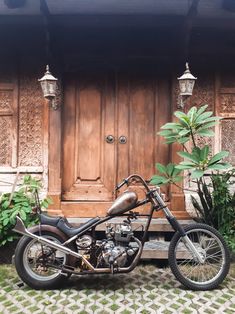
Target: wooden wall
x=31, y=133
x=23, y=125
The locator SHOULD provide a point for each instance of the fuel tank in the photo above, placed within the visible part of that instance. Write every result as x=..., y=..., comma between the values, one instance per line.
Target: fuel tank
x=123, y=203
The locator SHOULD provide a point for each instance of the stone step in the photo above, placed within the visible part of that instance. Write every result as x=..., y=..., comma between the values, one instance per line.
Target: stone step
x=159, y=250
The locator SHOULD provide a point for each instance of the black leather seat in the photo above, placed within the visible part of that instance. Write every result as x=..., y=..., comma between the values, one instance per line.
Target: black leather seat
x=70, y=231
x=49, y=220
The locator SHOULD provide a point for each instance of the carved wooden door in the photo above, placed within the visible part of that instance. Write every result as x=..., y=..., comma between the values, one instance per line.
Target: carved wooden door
x=109, y=132
x=88, y=159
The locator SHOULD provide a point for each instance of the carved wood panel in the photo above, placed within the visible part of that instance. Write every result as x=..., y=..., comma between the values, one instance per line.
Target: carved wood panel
x=22, y=136
x=8, y=124
x=228, y=139
x=30, y=122
x=226, y=109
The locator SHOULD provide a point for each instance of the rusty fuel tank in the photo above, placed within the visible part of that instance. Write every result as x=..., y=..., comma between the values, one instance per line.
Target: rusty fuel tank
x=123, y=203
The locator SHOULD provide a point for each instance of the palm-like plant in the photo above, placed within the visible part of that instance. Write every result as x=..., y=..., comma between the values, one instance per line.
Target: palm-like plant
x=198, y=161
x=196, y=121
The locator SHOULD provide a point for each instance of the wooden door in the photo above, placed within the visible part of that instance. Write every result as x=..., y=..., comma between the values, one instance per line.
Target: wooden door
x=130, y=108
x=88, y=160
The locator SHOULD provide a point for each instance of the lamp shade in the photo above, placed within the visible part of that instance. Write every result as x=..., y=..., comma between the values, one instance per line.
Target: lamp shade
x=48, y=84
x=186, y=82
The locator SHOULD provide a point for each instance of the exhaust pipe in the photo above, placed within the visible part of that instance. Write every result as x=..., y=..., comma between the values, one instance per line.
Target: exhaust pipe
x=20, y=228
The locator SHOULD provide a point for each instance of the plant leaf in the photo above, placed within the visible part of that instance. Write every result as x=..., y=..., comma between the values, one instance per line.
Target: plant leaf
x=197, y=174
x=217, y=157
x=219, y=166
x=188, y=156
x=161, y=168
x=205, y=132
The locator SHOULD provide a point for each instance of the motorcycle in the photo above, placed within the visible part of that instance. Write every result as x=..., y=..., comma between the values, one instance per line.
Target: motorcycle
x=50, y=252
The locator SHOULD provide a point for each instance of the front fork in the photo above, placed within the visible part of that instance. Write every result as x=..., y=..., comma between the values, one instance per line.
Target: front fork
x=187, y=242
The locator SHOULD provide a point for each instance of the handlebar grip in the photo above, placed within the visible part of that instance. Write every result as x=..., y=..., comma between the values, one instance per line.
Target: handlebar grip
x=121, y=184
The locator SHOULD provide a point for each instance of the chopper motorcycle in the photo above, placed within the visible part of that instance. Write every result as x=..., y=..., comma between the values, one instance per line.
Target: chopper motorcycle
x=50, y=252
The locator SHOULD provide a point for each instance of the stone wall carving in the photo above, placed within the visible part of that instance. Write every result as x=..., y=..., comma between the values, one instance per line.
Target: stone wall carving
x=30, y=122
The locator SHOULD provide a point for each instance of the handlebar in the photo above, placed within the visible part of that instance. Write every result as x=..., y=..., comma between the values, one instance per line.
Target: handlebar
x=133, y=176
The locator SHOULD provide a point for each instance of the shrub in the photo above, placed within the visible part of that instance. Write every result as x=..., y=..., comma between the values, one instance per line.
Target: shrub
x=20, y=203
x=216, y=203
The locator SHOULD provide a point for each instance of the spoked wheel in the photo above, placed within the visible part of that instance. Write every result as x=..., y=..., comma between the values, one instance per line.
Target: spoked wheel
x=37, y=264
x=212, y=248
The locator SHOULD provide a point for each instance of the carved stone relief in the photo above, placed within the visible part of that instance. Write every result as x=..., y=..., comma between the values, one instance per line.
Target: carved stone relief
x=30, y=122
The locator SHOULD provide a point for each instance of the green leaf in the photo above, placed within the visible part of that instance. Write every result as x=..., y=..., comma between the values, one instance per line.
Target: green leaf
x=217, y=157
x=219, y=166
x=181, y=115
x=159, y=180
x=185, y=166
x=170, y=169
x=188, y=156
x=183, y=140
x=22, y=215
x=6, y=221
x=171, y=125
x=215, y=119
x=184, y=132
x=196, y=174
x=161, y=168
x=177, y=179
x=165, y=132
x=206, y=133
x=202, y=117
x=204, y=153
x=201, y=110
x=176, y=171
x=191, y=113
x=206, y=125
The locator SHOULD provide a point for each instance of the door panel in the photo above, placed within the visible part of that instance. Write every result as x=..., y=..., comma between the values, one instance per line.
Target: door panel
x=88, y=160
x=129, y=105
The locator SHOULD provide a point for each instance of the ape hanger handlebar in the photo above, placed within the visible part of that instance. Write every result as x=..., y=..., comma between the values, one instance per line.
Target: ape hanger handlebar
x=132, y=177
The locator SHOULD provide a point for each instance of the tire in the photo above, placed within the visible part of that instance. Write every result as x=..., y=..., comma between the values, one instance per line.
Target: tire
x=211, y=246
x=37, y=278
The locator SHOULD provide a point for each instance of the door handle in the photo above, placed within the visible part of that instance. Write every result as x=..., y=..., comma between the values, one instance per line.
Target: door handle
x=110, y=139
x=122, y=139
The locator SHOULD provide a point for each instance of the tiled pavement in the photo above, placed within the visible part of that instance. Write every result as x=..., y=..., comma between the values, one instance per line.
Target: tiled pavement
x=148, y=289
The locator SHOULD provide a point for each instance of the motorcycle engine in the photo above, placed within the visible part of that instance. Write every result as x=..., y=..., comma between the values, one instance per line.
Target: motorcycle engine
x=117, y=248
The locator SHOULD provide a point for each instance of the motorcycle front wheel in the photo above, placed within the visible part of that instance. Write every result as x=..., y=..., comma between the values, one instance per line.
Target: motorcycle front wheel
x=37, y=264
x=211, y=246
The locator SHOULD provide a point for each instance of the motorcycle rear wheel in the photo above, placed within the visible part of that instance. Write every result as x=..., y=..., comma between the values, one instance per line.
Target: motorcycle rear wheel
x=31, y=264
x=211, y=246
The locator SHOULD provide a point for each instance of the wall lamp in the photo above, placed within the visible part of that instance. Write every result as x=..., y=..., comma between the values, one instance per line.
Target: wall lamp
x=186, y=85
x=49, y=87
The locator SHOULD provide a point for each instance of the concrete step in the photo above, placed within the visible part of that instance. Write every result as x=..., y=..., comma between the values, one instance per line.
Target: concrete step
x=159, y=250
